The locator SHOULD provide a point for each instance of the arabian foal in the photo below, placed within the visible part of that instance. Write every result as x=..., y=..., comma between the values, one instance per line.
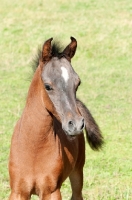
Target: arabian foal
x=48, y=143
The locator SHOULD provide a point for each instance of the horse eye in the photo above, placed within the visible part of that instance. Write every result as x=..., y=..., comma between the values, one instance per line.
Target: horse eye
x=48, y=87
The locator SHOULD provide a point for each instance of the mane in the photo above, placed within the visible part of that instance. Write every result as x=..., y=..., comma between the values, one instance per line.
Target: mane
x=56, y=52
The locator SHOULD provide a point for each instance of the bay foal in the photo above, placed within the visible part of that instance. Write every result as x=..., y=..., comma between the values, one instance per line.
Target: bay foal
x=48, y=143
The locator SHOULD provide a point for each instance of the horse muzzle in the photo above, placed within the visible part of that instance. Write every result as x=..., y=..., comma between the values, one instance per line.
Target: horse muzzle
x=74, y=127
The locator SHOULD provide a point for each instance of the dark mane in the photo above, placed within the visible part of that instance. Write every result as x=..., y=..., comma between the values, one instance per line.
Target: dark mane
x=56, y=52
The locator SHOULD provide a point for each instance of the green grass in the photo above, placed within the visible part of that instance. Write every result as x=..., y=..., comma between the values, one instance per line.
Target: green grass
x=104, y=62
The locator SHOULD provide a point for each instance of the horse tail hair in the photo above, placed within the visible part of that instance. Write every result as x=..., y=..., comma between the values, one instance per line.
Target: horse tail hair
x=93, y=132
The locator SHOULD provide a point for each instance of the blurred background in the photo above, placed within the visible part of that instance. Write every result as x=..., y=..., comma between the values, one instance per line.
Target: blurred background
x=103, y=61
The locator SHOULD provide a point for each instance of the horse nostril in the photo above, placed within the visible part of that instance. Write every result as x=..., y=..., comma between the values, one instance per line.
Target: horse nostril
x=71, y=123
x=71, y=126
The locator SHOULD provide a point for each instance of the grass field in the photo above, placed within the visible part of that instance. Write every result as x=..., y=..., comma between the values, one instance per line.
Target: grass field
x=103, y=60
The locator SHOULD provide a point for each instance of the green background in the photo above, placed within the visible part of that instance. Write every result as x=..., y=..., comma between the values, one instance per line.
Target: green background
x=103, y=61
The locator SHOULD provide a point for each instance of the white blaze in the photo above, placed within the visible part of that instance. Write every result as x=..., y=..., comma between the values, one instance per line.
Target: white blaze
x=64, y=74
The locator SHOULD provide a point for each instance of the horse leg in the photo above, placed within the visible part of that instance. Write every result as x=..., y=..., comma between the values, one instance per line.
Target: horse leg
x=14, y=196
x=56, y=195
x=76, y=179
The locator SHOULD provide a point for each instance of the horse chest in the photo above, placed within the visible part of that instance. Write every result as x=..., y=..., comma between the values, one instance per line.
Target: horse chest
x=56, y=157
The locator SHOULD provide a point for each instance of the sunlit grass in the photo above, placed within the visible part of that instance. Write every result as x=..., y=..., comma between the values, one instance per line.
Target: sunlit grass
x=104, y=62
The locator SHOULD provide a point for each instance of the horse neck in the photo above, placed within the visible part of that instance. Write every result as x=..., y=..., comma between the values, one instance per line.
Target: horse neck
x=36, y=122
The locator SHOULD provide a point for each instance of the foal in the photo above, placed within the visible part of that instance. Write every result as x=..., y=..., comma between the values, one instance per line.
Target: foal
x=48, y=143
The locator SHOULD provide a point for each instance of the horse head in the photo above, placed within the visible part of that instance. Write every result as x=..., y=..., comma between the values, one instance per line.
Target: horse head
x=60, y=83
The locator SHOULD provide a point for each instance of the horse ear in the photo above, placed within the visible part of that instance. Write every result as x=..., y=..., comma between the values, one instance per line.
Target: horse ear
x=46, y=51
x=70, y=50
